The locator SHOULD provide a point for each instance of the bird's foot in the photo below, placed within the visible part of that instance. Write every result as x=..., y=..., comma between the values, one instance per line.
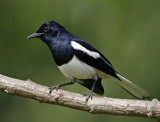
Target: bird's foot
x=53, y=87
x=89, y=95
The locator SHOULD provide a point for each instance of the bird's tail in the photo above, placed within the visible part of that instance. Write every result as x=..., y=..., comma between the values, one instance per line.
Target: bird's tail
x=132, y=88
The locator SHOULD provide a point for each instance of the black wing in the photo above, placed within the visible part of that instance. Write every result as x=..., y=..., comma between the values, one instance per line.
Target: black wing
x=100, y=63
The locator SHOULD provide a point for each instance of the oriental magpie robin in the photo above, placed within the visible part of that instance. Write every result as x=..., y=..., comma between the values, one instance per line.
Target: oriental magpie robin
x=79, y=61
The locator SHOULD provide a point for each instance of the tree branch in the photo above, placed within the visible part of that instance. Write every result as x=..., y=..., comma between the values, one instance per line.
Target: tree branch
x=98, y=105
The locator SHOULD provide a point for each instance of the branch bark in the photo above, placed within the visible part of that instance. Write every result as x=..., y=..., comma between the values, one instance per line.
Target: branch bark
x=98, y=105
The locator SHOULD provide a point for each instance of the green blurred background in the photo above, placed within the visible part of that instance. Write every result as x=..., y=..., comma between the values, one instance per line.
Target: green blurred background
x=126, y=31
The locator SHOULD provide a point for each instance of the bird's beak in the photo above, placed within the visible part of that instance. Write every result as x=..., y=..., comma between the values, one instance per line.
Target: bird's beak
x=34, y=35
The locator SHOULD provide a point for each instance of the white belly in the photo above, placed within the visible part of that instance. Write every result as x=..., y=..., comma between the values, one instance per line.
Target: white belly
x=77, y=69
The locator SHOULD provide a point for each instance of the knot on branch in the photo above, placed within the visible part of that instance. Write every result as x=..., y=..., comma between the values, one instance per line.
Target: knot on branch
x=151, y=108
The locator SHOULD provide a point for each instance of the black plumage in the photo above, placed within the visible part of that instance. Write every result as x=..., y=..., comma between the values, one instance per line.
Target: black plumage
x=78, y=60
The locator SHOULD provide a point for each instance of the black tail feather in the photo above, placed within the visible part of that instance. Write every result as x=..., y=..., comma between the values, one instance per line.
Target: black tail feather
x=89, y=83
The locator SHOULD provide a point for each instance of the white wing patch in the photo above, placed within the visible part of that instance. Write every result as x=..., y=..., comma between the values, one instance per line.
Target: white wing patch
x=78, y=46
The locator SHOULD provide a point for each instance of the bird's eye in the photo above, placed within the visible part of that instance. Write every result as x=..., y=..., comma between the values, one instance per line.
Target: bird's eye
x=46, y=28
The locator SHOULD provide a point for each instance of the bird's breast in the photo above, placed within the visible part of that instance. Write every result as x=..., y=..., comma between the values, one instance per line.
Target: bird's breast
x=75, y=68
x=62, y=52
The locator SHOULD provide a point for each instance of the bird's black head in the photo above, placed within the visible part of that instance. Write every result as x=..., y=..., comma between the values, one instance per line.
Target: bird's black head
x=48, y=30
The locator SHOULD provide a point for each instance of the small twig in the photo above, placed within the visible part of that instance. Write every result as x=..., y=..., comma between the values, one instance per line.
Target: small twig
x=98, y=105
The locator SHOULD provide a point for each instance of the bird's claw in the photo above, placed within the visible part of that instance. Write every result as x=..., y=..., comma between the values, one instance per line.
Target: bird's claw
x=52, y=88
x=89, y=95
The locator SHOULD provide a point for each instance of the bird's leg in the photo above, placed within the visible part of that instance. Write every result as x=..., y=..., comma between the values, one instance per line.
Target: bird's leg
x=58, y=86
x=95, y=78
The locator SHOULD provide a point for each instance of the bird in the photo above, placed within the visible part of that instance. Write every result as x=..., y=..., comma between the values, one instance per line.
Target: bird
x=80, y=62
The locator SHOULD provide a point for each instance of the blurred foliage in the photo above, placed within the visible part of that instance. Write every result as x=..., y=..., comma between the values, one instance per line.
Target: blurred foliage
x=127, y=32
